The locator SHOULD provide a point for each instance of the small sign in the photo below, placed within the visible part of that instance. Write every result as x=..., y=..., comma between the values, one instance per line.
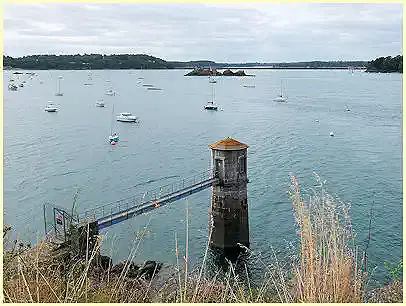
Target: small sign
x=59, y=219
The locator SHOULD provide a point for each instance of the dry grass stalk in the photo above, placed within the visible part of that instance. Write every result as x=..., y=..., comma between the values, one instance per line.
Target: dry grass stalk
x=327, y=271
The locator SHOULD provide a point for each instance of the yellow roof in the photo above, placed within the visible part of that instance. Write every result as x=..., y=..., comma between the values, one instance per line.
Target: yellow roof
x=228, y=144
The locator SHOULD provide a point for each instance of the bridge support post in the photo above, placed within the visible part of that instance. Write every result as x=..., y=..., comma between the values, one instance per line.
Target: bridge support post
x=229, y=205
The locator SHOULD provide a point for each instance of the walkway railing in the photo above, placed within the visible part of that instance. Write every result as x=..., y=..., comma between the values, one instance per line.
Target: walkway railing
x=171, y=192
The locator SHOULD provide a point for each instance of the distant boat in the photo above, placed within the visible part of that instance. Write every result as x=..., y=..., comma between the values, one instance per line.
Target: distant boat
x=100, y=103
x=126, y=117
x=212, y=80
x=347, y=109
x=252, y=85
x=331, y=134
x=51, y=108
x=148, y=85
x=12, y=87
x=58, y=90
x=113, y=138
x=154, y=88
x=280, y=98
x=210, y=105
x=110, y=92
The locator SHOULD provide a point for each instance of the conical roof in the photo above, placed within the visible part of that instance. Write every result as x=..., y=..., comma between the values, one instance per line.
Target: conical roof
x=228, y=144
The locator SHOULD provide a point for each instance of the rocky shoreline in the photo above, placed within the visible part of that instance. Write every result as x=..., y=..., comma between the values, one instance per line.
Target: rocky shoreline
x=215, y=72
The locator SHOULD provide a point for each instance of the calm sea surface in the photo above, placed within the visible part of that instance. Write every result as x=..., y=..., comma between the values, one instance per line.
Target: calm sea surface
x=50, y=156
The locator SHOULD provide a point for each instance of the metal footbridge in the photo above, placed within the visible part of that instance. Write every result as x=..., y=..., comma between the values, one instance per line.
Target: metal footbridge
x=124, y=209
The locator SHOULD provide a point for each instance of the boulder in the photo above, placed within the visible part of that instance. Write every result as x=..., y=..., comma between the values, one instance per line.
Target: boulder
x=149, y=268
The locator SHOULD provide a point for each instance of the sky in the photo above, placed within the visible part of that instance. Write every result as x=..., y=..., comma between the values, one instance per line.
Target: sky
x=233, y=33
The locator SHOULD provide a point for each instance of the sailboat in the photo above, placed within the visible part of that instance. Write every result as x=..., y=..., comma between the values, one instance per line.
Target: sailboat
x=250, y=85
x=280, y=98
x=210, y=105
x=113, y=138
x=58, y=92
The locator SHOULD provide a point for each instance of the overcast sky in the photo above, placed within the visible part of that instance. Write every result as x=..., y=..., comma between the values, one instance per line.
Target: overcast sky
x=244, y=32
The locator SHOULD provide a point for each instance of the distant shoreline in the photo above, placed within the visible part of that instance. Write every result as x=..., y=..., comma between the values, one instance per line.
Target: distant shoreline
x=189, y=68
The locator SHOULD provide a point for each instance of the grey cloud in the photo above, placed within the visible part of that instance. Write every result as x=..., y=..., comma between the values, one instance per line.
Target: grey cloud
x=221, y=32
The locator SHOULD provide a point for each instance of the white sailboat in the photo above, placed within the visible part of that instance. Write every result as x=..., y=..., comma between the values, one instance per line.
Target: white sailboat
x=210, y=105
x=280, y=98
x=58, y=89
x=113, y=138
x=251, y=85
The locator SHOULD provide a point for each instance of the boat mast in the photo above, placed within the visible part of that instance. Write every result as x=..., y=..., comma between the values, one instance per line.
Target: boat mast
x=112, y=116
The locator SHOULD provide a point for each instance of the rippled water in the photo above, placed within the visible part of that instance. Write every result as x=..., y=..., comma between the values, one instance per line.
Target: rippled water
x=47, y=157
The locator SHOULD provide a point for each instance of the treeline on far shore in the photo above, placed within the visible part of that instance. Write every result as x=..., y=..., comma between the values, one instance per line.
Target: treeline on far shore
x=143, y=61
x=386, y=64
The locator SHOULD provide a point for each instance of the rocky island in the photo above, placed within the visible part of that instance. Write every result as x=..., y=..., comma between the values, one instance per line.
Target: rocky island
x=214, y=72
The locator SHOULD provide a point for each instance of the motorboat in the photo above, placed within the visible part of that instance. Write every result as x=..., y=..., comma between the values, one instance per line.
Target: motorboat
x=21, y=85
x=100, y=103
x=51, y=108
x=113, y=138
x=154, y=88
x=126, y=117
x=331, y=133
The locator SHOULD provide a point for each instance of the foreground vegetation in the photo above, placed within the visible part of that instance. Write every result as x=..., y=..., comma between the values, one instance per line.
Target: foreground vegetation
x=327, y=267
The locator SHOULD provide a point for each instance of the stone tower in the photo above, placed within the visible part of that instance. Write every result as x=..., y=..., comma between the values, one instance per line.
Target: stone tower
x=229, y=207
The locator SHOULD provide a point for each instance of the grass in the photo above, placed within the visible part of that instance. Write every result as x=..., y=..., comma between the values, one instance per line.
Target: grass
x=326, y=268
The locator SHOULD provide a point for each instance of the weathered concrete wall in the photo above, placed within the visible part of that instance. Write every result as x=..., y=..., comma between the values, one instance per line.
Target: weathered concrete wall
x=229, y=206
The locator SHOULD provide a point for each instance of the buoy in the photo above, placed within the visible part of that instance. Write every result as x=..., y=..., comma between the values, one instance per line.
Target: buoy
x=113, y=143
x=331, y=134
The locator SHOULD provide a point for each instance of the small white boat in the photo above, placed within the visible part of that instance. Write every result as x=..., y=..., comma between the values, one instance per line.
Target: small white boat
x=110, y=92
x=331, y=134
x=347, y=109
x=51, y=108
x=21, y=85
x=126, y=117
x=100, y=103
x=212, y=80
